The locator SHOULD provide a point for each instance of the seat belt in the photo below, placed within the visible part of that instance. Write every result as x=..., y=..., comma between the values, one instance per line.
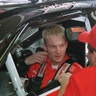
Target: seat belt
x=65, y=66
x=63, y=69
x=35, y=83
x=54, y=83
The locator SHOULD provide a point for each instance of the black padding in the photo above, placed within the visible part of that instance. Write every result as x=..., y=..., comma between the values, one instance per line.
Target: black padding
x=78, y=50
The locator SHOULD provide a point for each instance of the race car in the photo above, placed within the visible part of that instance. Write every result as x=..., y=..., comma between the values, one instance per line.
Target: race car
x=21, y=35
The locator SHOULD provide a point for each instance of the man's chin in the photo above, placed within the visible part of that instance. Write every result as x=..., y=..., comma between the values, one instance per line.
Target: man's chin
x=58, y=61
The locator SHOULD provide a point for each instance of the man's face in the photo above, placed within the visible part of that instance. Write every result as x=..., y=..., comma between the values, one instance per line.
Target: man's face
x=56, y=48
x=91, y=56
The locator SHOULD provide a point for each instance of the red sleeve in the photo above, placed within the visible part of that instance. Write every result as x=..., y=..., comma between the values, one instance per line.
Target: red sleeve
x=75, y=67
x=33, y=70
x=71, y=89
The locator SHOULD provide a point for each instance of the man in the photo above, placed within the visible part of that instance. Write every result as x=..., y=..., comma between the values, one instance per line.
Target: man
x=55, y=44
x=83, y=83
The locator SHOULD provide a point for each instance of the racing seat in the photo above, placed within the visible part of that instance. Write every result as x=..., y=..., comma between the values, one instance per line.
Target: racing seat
x=76, y=48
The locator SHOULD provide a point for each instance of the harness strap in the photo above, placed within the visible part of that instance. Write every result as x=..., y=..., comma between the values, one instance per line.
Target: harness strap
x=54, y=83
x=41, y=70
x=35, y=83
x=65, y=66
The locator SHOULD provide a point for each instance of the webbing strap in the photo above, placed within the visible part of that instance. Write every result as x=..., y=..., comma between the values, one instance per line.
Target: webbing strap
x=63, y=68
x=41, y=70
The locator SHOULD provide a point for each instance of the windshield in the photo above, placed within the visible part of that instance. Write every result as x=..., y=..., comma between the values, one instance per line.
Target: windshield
x=8, y=31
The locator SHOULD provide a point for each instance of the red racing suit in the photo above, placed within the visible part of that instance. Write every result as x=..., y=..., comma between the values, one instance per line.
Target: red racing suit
x=83, y=83
x=50, y=72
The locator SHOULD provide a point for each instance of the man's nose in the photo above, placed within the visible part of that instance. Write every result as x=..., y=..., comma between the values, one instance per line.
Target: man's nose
x=57, y=50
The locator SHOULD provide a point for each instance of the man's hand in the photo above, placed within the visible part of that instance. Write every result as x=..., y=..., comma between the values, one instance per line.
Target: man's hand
x=63, y=80
x=39, y=57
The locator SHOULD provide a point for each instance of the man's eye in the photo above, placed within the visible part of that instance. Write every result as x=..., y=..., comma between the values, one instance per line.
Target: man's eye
x=52, y=46
x=62, y=45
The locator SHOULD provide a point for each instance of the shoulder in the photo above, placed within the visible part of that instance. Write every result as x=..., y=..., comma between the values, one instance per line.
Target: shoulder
x=85, y=72
x=79, y=83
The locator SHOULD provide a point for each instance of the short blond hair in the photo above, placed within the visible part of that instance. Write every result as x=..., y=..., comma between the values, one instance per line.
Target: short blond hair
x=54, y=30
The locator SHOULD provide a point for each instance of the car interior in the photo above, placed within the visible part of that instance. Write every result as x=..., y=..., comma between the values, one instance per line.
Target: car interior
x=21, y=36
x=35, y=41
x=75, y=48
x=31, y=41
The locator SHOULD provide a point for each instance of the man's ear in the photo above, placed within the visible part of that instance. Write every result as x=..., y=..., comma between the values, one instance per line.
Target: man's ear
x=44, y=46
x=94, y=53
x=66, y=44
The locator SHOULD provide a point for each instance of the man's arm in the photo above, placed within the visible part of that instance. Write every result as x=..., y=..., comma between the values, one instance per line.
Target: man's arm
x=24, y=64
x=38, y=57
x=63, y=80
x=71, y=88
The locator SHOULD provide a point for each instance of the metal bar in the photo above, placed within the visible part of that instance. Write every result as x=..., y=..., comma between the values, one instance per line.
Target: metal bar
x=15, y=77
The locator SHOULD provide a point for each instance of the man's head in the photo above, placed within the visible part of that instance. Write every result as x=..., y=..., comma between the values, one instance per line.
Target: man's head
x=54, y=30
x=55, y=43
x=90, y=38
